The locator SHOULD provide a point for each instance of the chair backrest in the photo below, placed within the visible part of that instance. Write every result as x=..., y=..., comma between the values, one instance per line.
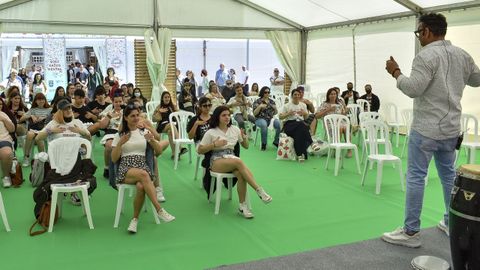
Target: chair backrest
x=372, y=130
x=364, y=104
x=181, y=118
x=320, y=98
x=391, y=112
x=151, y=106
x=366, y=116
x=252, y=99
x=407, y=116
x=469, y=125
x=279, y=101
x=333, y=124
x=68, y=140
x=353, y=112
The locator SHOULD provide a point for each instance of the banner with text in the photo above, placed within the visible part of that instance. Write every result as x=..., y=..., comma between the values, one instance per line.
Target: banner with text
x=54, y=54
x=117, y=57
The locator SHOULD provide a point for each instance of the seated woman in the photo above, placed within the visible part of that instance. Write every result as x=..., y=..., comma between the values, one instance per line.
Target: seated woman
x=186, y=101
x=7, y=127
x=333, y=105
x=18, y=109
x=199, y=124
x=221, y=138
x=293, y=115
x=36, y=118
x=63, y=124
x=264, y=109
x=162, y=116
x=254, y=90
x=215, y=97
x=137, y=96
x=129, y=146
x=240, y=106
x=112, y=116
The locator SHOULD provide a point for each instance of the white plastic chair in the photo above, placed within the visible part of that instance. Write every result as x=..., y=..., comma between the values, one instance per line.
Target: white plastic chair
x=69, y=188
x=374, y=128
x=151, y=106
x=354, y=111
x=364, y=104
x=407, y=116
x=181, y=118
x=321, y=98
x=369, y=116
x=217, y=178
x=470, y=146
x=197, y=165
x=3, y=213
x=392, y=118
x=120, y=203
x=333, y=123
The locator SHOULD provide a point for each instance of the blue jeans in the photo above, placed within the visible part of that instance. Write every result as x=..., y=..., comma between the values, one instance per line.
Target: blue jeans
x=263, y=125
x=420, y=152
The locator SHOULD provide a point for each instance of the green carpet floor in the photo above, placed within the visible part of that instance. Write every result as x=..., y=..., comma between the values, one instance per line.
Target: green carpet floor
x=311, y=209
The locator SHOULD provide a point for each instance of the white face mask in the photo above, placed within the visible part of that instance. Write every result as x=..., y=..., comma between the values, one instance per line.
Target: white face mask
x=91, y=71
x=137, y=94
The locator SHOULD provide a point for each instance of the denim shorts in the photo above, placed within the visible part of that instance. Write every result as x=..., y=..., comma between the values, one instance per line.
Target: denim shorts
x=6, y=144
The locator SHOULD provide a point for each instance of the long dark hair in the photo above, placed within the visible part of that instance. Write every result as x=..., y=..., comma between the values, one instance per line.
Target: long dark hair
x=170, y=105
x=327, y=99
x=141, y=95
x=126, y=112
x=201, y=101
x=7, y=111
x=56, y=96
x=37, y=97
x=21, y=106
x=262, y=91
x=35, y=79
x=215, y=119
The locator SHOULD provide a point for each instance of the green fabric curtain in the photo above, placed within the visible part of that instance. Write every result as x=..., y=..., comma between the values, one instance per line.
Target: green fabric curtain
x=158, y=50
x=288, y=49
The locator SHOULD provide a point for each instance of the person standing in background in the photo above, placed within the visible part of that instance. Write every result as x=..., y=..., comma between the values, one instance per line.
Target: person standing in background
x=243, y=79
x=221, y=76
x=277, y=82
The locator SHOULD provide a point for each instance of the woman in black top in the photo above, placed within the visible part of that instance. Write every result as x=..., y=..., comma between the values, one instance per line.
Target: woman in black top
x=162, y=116
x=186, y=101
x=199, y=124
x=138, y=96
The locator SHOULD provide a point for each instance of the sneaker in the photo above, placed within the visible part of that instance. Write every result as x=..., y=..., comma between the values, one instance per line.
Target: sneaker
x=75, y=199
x=264, y=147
x=132, y=227
x=26, y=162
x=160, y=196
x=443, y=227
x=165, y=216
x=400, y=237
x=301, y=158
x=245, y=211
x=263, y=195
x=7, y=182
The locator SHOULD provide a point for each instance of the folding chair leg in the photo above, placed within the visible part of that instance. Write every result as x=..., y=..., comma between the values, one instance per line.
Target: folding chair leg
x=119, y=209
x=86, y=207
x=338, y=152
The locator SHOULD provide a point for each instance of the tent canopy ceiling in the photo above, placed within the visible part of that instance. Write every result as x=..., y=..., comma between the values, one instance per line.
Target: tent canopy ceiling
x=191, y=18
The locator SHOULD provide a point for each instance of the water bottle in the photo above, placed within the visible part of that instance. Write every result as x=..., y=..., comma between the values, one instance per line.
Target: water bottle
x=14, y=166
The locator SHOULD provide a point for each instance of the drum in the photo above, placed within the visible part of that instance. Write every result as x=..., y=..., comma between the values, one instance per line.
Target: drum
x=464, y=218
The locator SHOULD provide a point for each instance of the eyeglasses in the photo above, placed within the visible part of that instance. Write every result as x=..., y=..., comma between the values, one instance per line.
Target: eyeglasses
x=417, y=33
x=207, y=105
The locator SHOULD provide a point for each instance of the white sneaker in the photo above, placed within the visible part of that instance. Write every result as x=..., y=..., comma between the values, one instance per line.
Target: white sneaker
x=7, y=182
x=245, y=211
x=160, y=196
x=165, y=216
x=443, y=227
x=26, y=162
x=132, y=228
x=263, y=195
x=399, y=237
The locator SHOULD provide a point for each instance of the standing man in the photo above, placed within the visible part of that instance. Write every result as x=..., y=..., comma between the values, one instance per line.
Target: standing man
x=221, y=76
x=277, y=82
x=350, y=96
x=179, y=81
x=94, y=80
x=243, y=79
x=439, y=74
x=371, y=98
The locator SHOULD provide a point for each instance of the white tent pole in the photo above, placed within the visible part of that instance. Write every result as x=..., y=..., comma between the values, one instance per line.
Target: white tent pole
x=354, y=58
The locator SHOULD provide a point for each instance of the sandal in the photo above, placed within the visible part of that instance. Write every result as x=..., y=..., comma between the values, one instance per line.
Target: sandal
x=316, y=147
x=301, y=159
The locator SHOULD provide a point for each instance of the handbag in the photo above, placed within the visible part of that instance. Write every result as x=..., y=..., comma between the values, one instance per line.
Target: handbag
x=285, y=149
